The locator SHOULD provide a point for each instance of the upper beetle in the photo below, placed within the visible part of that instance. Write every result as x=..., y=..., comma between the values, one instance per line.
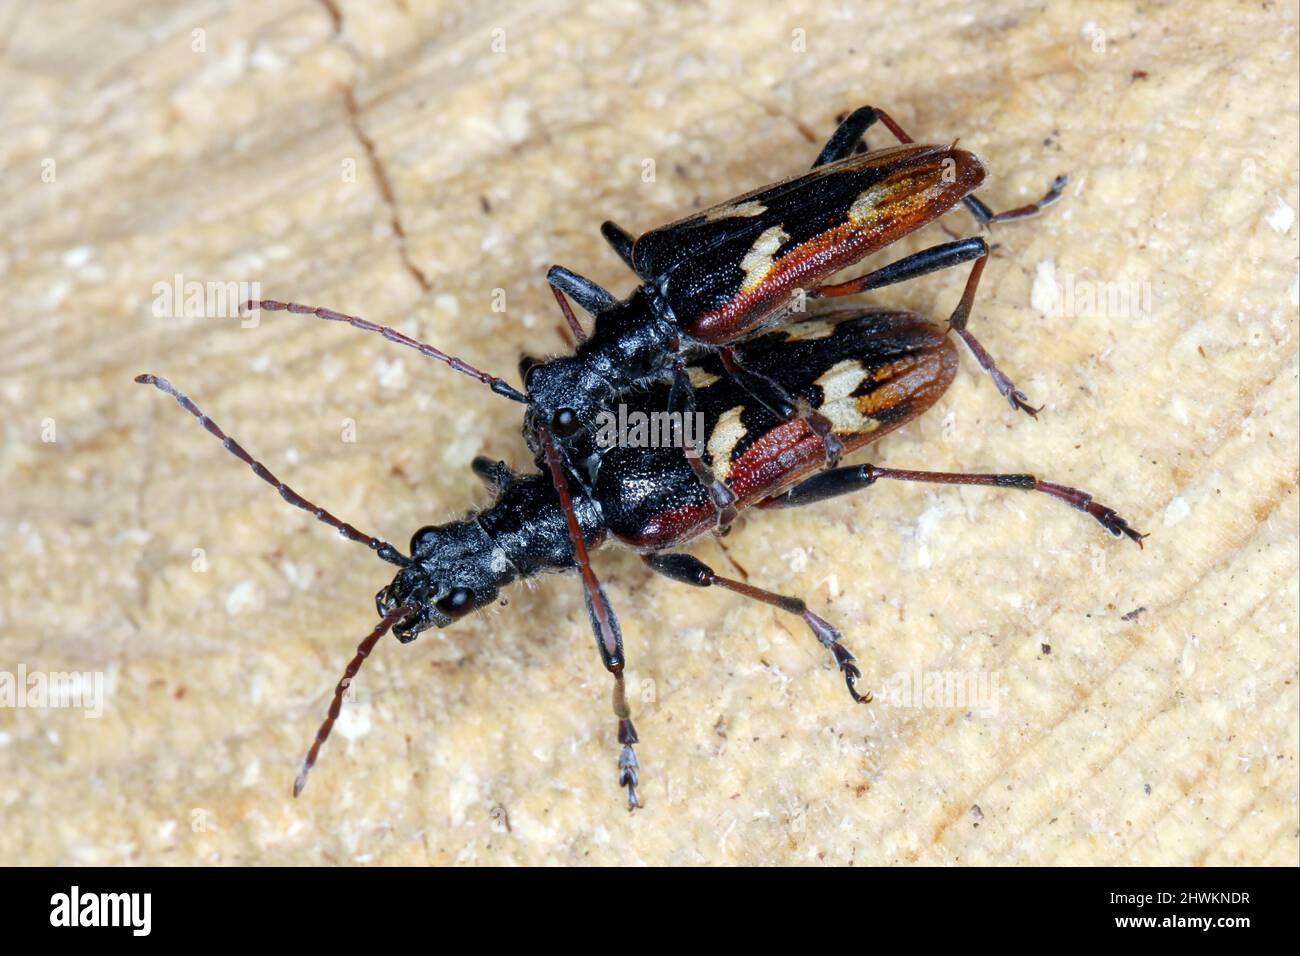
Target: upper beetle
x=721, y=275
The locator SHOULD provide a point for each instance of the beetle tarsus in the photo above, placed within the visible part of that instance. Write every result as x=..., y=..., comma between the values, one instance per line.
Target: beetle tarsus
x=1014, y=396
x=1007, y=388
x=627, y=763
x=689, y=569
x=844, y=659
x=1115, y=524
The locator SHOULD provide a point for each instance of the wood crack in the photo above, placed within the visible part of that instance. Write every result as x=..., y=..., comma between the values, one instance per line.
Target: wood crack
x=385, y=188
x=377, y=169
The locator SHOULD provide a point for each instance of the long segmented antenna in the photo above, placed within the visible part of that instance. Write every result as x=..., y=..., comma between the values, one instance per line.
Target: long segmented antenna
x=377, y=545
x=498, y=385
x=336, y=705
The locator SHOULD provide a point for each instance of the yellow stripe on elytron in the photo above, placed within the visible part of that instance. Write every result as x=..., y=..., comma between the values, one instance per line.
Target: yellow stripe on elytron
x=838, y=383
x=758, y=260
x=744, y=210
x=724, y=438
x=700, y=377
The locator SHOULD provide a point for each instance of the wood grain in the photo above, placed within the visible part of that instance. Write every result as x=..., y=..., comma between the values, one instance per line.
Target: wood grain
x=418, y=162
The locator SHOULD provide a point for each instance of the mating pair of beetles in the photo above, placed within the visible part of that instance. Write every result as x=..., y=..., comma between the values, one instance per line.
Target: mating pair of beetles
x=717, y=328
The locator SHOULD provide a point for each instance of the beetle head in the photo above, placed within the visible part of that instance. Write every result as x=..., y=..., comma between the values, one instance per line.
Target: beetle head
x=565, y=397
x=455, y=569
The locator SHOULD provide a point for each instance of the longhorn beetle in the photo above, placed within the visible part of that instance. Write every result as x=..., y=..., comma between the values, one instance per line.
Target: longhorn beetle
x=716, y=277
x=867, y=370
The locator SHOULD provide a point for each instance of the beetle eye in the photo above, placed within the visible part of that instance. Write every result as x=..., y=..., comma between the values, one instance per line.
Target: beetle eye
x=456, y=603
x=418, y=537
x=564, y=422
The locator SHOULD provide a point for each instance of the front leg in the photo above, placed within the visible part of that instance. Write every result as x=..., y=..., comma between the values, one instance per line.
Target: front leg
x=691, y=570
x=604, y=624
x=586, y=293
x=620, y=240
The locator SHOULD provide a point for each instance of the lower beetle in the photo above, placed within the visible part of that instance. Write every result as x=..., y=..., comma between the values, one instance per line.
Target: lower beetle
x=867, y=370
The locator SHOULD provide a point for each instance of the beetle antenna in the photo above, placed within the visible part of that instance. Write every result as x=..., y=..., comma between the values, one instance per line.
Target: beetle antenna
x=336, y=704
x=498, y=385
x=377, y=545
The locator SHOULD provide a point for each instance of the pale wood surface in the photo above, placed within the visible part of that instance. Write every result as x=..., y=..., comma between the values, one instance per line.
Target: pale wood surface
x=1171, y=738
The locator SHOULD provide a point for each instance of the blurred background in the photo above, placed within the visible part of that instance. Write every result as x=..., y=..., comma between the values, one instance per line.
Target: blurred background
x=422, y=164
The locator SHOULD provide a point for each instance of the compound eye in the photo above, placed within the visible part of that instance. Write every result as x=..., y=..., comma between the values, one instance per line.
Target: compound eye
x=456, y=603
x=419, y=537
x=526, y=365
x=564, y=422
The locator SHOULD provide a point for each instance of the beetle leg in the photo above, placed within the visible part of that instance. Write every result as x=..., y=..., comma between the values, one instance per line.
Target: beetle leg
x=604, y=623
x=931, y=260
x=842, y=481
x=681, y=401
x=627, y=762
x=909, y=267
x=986, y=216
x=579, y=335
x=957, y=322
x=620, y=240
x=847, y=137
x=495, y=475
x=691, y=570
x=593, y=298
x=778, y=401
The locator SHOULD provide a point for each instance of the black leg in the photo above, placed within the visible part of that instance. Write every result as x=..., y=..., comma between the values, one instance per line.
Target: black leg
x=592, y=298
x=778, y=401
x=930, y=260
x=843, y=481
x=586, y=293
x=620, y=239
x=914, y=266
x=690, y=570
x=986, y=216
x=847, y=136
x=495, y=475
